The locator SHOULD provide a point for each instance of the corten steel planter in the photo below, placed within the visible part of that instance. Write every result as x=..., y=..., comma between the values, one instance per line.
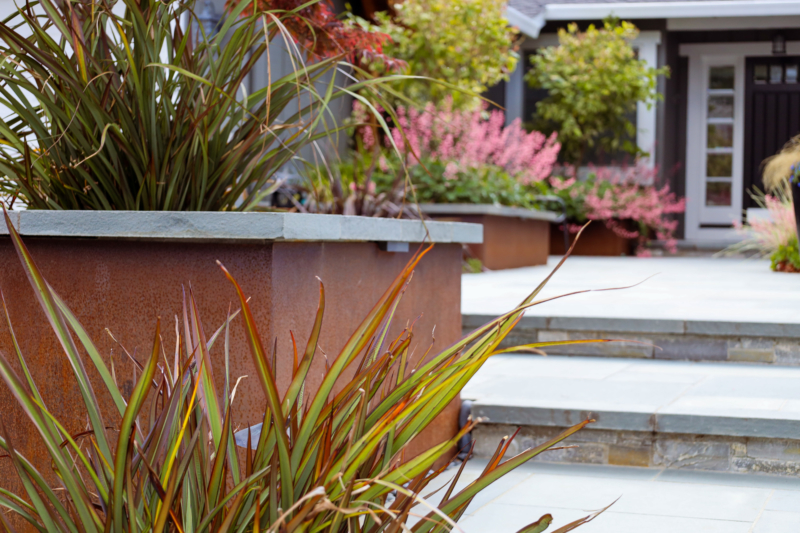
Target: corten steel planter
x=123, y=270
x=512, y=236
x=596, y=240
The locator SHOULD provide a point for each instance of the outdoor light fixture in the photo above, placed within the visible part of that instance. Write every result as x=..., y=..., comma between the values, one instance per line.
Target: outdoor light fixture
x=778, y=44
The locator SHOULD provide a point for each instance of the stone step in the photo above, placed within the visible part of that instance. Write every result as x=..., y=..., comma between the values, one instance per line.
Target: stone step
x=666, y=414
x=688, y=340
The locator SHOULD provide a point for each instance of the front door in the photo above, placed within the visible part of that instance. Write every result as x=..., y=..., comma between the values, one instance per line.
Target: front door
x=772, y=113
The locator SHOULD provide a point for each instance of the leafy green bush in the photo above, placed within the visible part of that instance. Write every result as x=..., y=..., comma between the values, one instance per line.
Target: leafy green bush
x=130, y=112
x=324, y=461
x=594, y=81
x=486, y=184
x=466, y=43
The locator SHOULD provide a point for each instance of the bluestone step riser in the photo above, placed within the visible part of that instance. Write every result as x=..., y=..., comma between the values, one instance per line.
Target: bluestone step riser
x=658, y=339
x=646, y=449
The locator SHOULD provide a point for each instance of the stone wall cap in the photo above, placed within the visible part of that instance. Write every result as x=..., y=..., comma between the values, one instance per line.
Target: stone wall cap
x=217, y=226
x=488, y=209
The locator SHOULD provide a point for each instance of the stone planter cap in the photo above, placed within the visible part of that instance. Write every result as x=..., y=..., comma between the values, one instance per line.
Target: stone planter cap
x=217, y=226
x=488, y=209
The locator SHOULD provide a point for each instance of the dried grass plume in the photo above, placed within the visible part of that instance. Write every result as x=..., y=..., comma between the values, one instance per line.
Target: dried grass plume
x=778, y=168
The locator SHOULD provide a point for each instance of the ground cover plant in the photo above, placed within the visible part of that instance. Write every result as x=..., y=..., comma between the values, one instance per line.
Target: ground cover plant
x=166, y=459
x=123, y=109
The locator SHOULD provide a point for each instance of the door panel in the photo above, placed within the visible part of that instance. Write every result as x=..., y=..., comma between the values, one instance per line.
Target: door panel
x=772, y=113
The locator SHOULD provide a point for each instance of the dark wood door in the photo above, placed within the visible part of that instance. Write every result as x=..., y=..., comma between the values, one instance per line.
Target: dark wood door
x=772, y=113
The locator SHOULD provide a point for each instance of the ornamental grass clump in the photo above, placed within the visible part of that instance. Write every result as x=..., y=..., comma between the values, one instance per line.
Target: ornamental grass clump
x=325, y=460
x=115, y=106
x=773, y=236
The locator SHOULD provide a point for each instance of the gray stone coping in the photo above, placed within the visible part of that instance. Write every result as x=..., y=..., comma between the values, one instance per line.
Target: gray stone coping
x=648, y=325
x=488, y=209
x=216, y=226
x=657, y=422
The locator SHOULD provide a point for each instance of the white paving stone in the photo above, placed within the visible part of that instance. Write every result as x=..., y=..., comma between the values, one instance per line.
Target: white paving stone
x=753, y=400
x=647, y=500
x=682, y=288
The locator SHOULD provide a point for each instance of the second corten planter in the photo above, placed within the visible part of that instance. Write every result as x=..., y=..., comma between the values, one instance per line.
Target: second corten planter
x=512, y=236
x=596, y=240
x=123, y=270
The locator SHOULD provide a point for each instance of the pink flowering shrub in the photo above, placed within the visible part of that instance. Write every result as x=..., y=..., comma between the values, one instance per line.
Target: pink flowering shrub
x=464, y=141
x=627, y=200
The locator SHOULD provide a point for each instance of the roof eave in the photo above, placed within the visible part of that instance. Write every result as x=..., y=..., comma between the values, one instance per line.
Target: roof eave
x=529, y=26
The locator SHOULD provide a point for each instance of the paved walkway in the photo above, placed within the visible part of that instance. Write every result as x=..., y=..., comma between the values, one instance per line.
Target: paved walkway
x=641, y=395
x=650, y=500
x=684, y=288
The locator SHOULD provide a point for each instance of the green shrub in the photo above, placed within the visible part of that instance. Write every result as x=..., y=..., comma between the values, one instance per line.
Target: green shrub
x=594, y=81
x=324, y=461
x=487, y=184
x=468, y=44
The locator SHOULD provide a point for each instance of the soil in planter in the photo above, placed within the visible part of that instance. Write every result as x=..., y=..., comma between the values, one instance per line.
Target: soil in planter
x=596, y=240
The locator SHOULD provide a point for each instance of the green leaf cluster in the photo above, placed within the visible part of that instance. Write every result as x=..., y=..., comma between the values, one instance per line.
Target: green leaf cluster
x=466, y=43
x=326, y=460
x=786, y=257
x=594, y=80
x=487, y=184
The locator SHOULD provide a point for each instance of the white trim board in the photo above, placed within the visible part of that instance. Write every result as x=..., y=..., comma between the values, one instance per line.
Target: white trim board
x=733, y=23
x=668, y=10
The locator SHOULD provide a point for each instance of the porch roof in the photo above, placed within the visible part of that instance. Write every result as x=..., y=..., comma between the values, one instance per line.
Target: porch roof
x=531, y=15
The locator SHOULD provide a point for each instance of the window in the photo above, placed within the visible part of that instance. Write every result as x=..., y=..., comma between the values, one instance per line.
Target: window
x=719, y=132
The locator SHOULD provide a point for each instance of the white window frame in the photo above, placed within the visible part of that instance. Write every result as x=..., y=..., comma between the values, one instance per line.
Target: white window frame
x=732, y=213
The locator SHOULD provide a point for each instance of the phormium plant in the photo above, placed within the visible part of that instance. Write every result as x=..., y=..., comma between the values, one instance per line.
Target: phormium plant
x=122, y=109
x=324, y=461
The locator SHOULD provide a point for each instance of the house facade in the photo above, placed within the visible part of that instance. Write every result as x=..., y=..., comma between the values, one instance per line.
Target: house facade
x=732, y=99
